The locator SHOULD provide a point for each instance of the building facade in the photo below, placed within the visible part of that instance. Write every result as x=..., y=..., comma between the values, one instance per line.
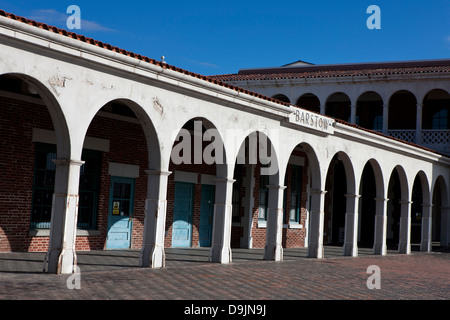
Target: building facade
x=408, y=100
x=107, y=149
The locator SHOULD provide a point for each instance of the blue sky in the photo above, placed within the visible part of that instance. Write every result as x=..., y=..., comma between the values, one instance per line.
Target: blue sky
x=218, y=37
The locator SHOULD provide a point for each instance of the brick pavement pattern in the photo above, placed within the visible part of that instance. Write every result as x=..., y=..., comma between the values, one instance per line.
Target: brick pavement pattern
x=424, y=276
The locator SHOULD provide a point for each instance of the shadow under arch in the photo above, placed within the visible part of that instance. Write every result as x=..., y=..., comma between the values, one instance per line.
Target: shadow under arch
x=397, y=207
x=121, y=143
x=371, y=191
x=301, y=176
x=257, y=176
x=369, y=110
x=402, y=102
x=339, y=199
x=420, y=201
x=440, y=212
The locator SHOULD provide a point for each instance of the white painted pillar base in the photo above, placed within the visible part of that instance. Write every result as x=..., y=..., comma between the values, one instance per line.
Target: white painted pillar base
x=315, y=247
x=426, y=244
x=379, y=245
x=221, y=237
x=152, y=252
x=61, y=257
x=404, y=245
x=351, y=226
x=273, y=249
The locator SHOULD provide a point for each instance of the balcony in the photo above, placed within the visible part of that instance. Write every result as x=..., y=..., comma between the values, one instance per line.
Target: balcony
x=438, y=140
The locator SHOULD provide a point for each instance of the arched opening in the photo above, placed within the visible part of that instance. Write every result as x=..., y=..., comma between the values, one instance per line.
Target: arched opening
x=340, y=187
x=197, y=158
x=282, y=98
x=338, y=106
x=397, y=196
x=30, y=120
x=416, y=212
x=367, y=207
x=296, y=199
x=256, y=169
x=119, y=146
x=369, y=111
x=436, y=110
x=310, y=102
x=440, y=213
x=402, y=103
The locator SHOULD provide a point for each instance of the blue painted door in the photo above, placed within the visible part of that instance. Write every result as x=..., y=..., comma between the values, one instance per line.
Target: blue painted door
x=206, y=215
x=182, y=214
x=120, y=216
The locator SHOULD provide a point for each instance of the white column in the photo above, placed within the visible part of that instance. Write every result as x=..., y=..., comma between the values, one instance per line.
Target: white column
x=274, y=230
x=379, y=245
x=315, y=247
x=351, y=226
x=61, y=257
x=353, y=114
x=404, y=245
x=425, y=244
x=221, y=237
x=385, y=118
x=419, y=123
x=152, y=252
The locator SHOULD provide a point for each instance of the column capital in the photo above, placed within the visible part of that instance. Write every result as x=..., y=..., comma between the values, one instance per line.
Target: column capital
x=226, y=180
x=275, y=186
x=158, y=172
x=351, y=195
x=317, y=191
x=68, y=162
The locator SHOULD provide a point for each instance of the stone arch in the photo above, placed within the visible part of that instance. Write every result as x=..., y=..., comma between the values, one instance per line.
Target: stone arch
x=402, y=102
x=397, y=206
x=121, y=138
x=309, y=101
x=371, y=191
x=338, y=105
x=369, y=110
x=198, y=160
x=436, y=110
x=420, y=203
x=32, y=116
x=440, y=212
x=282, y=98
x=339, y=199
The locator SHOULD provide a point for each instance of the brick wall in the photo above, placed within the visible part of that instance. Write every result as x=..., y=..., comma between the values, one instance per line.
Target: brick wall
x=127, y=145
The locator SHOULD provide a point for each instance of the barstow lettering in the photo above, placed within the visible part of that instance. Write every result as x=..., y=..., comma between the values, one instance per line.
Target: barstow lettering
x=312, y=120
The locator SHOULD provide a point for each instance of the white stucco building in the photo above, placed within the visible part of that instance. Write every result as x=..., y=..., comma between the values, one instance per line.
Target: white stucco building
x=95, y=135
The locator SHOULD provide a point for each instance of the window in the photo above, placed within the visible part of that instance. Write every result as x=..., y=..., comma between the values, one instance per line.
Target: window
x=44, y=185
x=440, y=119
x=263, y=197
x=296, y=192
x=378, y=122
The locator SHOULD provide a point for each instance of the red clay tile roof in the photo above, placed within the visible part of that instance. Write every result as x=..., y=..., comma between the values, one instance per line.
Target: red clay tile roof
x=340, y=70
x=133, y=55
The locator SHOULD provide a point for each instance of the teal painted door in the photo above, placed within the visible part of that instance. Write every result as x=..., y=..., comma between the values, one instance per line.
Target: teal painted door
x=206, y=215
x=120, y=214
x=182, y=214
